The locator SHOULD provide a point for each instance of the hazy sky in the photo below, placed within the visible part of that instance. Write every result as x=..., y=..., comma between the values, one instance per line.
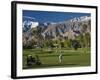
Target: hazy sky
x=45, y=16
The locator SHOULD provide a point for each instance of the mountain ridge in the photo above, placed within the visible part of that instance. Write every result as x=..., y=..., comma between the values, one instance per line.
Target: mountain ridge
x=65, y=29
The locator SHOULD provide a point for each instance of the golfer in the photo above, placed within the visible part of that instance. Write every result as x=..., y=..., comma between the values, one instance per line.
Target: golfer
x=60, y=57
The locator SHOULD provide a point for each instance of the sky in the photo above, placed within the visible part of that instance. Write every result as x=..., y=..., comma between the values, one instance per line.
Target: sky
x=48, y=16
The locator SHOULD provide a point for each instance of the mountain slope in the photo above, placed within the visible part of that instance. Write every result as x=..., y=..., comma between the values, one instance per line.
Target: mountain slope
x=34, y=31
x=70, y=28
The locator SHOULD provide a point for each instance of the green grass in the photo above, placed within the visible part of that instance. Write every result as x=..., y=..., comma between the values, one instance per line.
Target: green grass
x=50, y=57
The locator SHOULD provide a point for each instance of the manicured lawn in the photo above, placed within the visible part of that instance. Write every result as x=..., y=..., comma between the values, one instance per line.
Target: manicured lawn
x=50, y=57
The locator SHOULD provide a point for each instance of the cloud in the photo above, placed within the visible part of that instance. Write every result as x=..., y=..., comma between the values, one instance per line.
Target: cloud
x=28, y=17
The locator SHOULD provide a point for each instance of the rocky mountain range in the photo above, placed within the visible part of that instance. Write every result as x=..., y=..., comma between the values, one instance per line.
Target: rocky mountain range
x=65, y=29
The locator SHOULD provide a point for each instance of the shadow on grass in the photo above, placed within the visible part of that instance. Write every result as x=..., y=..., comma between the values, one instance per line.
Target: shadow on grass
x=50, y=66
